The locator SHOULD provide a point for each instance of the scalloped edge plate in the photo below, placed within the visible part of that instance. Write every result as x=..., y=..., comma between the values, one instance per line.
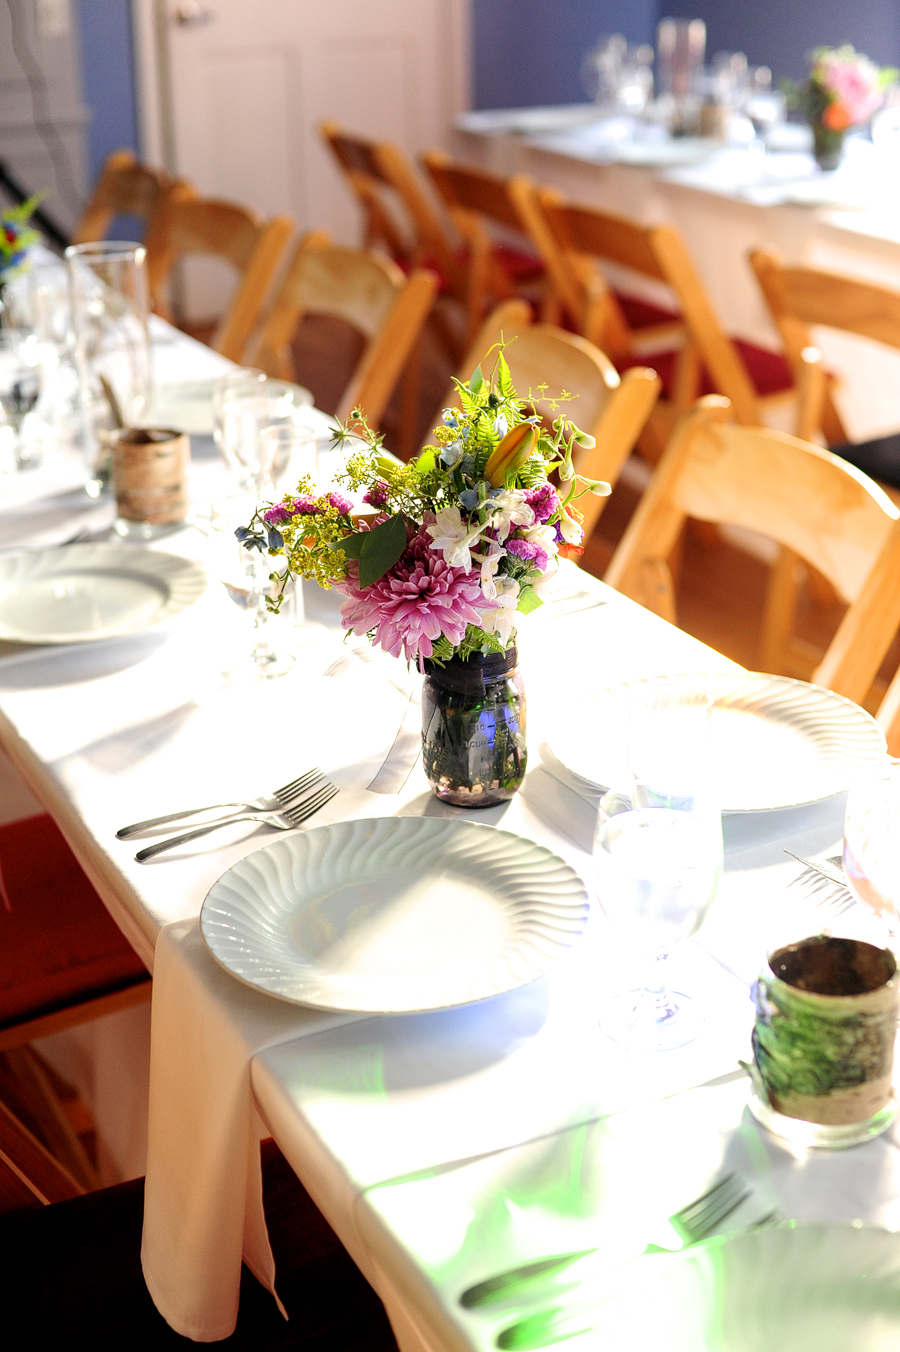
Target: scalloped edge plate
x=782, y=743
x=391, y=915
x=106, y=590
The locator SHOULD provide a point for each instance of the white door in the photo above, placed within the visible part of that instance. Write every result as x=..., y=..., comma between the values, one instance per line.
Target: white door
x=251, y=81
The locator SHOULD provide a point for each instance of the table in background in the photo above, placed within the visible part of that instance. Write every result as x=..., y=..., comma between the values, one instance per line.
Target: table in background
x=725, y=204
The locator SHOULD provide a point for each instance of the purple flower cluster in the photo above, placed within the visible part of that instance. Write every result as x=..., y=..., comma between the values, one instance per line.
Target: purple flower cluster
x=543, y=501
x=340, y=503
x=529, y=552
x=377, y=496
x=291, y=507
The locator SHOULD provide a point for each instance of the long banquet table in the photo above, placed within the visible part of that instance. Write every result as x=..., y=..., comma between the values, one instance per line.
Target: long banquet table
x=441, y=1147
x=726, y=201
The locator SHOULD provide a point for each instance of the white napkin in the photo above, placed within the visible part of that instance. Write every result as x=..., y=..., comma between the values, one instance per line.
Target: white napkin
x=204, y=1184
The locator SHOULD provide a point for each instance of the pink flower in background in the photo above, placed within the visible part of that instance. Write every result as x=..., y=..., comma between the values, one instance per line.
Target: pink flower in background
x=340, y=503
x=543, y=501
x=415, y=602
x=850, y=80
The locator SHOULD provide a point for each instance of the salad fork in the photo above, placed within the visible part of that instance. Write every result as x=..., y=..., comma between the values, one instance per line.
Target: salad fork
x=692, y=1223
x=282, y=797
x=285, y=820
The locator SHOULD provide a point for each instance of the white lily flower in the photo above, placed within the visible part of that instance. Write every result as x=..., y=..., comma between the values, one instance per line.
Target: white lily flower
x=509, y=509
x=501, y=619
x=572, y=532
x=545, y=584
x=453, y=537
x=545, y=536
x=489, y=562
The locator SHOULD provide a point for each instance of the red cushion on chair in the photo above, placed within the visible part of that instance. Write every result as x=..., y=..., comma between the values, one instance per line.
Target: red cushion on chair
x=59, y=944
x=518, y=265
x=640, y=314
x=768, y=371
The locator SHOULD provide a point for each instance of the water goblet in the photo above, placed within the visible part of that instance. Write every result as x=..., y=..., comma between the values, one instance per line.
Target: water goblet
x=872, y=844
x=20, y=388
x=290, y=450
x=244, y=402
x=659, y=861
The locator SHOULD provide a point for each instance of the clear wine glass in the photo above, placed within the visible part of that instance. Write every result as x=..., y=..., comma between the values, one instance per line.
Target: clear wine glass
x=20, y=387
x=872, y=844
x=244, y=402
x=659, y=862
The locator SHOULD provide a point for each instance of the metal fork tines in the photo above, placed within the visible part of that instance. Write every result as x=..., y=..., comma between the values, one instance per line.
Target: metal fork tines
x=700, y=1217
x=283, y=797
x=285, y=820
x=826, y=882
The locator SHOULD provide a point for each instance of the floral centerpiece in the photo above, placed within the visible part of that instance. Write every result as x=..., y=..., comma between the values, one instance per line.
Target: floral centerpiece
x=16, y=237
x=456, y=546
x=842, y=91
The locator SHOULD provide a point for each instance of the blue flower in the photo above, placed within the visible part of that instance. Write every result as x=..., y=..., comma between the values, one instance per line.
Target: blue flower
x=452, y=454
x=500, y=425
x=450, y=417
x=468, y=498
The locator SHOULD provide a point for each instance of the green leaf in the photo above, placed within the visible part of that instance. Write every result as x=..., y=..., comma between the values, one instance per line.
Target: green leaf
x=381, y=548
x=351, y=544
x=504, y=379
x=476, y=381
x=528, y=600
x=426, y=461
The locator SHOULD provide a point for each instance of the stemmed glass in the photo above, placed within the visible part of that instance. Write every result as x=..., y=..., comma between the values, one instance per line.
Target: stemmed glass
x=872, y=844
x=244, y=402
x=659, y=862
x=20, y=387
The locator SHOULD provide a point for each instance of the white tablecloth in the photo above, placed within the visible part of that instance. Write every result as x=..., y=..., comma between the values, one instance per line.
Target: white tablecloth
x=117, y=731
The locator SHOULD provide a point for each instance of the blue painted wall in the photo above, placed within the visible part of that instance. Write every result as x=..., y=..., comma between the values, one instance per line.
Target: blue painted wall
x=529, y=51
x=107, y=63
x=782, y=33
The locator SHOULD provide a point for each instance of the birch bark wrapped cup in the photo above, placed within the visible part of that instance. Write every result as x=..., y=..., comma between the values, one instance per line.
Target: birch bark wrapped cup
x=150, y=469
x=823, y=1041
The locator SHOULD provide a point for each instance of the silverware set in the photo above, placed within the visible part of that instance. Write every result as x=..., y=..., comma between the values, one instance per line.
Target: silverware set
x=567, y=1307
x=283, y=809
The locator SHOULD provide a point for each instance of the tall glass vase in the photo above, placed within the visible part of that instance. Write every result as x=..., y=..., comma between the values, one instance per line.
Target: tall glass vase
x=473, y=729
x=828, y=147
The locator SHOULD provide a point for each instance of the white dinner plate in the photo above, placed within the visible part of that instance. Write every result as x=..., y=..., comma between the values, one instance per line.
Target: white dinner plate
x=777, y=742
x=394, y=914
x=79, y=593
x=803, y=1288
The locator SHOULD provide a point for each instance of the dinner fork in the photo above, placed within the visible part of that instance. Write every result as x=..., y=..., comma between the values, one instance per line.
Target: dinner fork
x=692, y=1223
x=282, y=797
x=280, y=821
x=828, y=880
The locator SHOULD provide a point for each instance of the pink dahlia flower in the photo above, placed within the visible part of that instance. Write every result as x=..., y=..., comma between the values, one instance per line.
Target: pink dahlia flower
x=415, y=602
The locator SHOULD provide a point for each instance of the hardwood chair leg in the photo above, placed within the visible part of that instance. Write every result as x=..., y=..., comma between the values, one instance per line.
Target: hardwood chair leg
x=28, y=1091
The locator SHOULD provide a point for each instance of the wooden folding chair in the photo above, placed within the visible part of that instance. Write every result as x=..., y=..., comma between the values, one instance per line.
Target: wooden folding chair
x=125, y=187
x=398, y=212
x=612, y=409
x=65, y=962
x=502, y=259
x=687, y=346
x=188, y=224
x=368, y=292
x=800, y=297
x=807, y=499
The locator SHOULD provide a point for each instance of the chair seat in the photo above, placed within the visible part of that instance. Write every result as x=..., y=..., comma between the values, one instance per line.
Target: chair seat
x=73, y=1270
x=60, y=946
x=768, y=371
x=640, y=314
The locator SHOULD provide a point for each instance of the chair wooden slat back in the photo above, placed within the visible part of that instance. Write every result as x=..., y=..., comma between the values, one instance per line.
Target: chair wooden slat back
x=125, y=187
x=658, y=253
x=806, y=499
x=364, y=290
x=612, y=409
x=799, y=297
x=187, y=224
x=475, y=201
x=398, y=212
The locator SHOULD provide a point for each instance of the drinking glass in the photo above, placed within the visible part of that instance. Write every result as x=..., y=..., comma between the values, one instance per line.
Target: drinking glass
x=244, y=574
x=20, y=388
x=872, y=844
x=109, y=301
x=244, y=402
x=659, y=862
x=290, y=450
